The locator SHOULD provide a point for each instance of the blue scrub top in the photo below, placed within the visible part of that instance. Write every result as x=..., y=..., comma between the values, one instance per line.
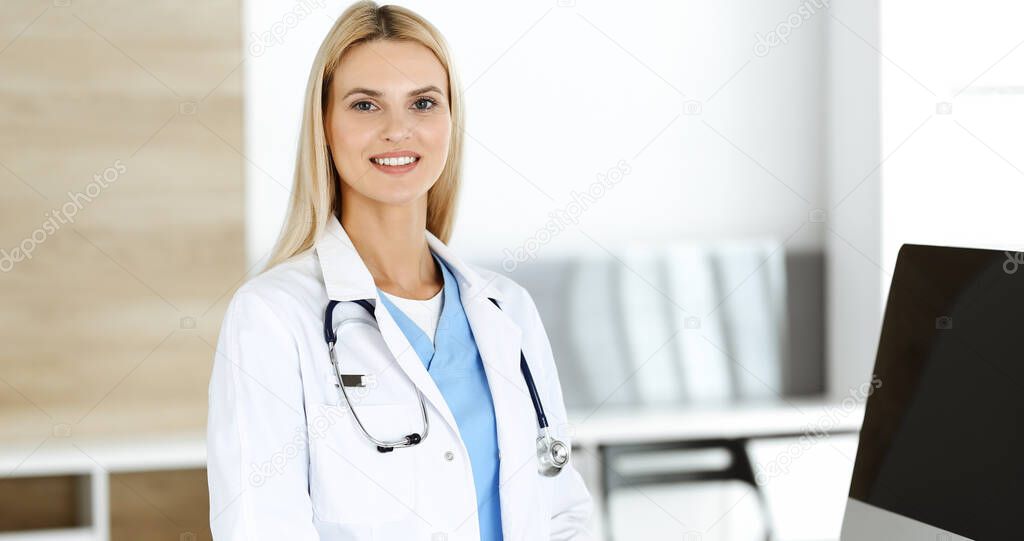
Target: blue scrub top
x=454, y=362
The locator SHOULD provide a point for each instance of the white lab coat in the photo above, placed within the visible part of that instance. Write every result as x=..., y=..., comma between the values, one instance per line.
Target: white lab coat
x=286, y=459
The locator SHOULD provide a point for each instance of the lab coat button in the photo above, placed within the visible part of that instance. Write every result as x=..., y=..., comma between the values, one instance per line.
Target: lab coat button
x=449, y=456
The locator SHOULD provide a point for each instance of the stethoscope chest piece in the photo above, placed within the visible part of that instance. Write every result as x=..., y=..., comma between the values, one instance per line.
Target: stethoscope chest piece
x=552, y=454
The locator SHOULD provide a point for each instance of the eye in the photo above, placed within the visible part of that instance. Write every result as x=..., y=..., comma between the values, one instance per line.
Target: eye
x=431, y=101
x=357, y=104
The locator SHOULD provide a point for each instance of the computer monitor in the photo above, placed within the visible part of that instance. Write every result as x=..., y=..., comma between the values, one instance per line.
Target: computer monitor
x=941, y=453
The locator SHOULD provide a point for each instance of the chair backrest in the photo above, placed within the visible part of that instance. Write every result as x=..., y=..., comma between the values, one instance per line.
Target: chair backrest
x=677, y=323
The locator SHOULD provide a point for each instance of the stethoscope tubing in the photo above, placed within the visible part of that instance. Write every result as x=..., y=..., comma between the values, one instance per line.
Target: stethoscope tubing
x=331, y=337
x=553, y=453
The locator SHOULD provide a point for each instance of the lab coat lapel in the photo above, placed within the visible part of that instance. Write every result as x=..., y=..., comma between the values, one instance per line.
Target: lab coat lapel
x=346, y=278
x=410, y=363
x=498, y=339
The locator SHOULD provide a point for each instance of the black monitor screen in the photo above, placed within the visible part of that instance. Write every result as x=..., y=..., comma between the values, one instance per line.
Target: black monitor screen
x=943, y=434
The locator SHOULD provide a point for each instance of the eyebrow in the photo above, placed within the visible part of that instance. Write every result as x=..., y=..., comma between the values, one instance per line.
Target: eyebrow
x=377, y=93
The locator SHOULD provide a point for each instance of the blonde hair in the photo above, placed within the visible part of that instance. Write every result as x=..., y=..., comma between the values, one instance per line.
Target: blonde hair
x=315, y=189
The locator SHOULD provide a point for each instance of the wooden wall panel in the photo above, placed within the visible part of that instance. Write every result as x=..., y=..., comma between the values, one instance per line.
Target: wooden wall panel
x=110, y=325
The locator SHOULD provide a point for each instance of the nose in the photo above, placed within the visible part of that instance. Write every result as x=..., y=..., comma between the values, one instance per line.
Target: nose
x=398, y=128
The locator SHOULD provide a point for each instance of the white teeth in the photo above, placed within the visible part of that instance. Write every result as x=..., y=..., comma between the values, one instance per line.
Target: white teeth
x=402, y=160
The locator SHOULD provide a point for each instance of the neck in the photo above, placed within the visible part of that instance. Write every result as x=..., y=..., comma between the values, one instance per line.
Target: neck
x=391, y=242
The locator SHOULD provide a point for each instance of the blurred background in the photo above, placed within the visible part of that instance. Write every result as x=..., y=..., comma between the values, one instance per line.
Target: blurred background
x=705, y=199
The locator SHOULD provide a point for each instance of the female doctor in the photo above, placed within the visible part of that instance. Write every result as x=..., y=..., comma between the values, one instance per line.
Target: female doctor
x=369, y=384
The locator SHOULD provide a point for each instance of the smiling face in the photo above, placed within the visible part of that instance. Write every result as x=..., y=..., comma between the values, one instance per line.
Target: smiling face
x=387, y=123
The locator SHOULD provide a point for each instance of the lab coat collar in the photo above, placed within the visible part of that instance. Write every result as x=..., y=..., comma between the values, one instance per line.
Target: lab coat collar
x=347, y=278
x=498, y=339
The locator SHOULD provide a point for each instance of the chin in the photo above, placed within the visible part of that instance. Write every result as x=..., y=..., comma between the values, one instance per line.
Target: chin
x=399, y=197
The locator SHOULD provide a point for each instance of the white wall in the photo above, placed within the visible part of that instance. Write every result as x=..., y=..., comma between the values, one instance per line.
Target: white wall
x=959, y=178
x=557, y=95
x=853, y=255
x=904, y=167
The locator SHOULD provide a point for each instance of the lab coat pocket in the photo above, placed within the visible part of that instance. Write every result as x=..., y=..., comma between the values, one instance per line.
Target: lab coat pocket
x=350, y=480
x=373, y=376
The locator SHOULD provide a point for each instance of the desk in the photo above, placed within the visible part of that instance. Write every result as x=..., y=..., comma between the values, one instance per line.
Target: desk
x=600, y=440
x=719, y=436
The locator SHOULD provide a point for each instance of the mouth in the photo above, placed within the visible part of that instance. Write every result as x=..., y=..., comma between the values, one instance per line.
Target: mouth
x=395, y=163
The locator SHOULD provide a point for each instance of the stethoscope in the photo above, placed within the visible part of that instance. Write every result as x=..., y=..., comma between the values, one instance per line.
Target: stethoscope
x=552, y=453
